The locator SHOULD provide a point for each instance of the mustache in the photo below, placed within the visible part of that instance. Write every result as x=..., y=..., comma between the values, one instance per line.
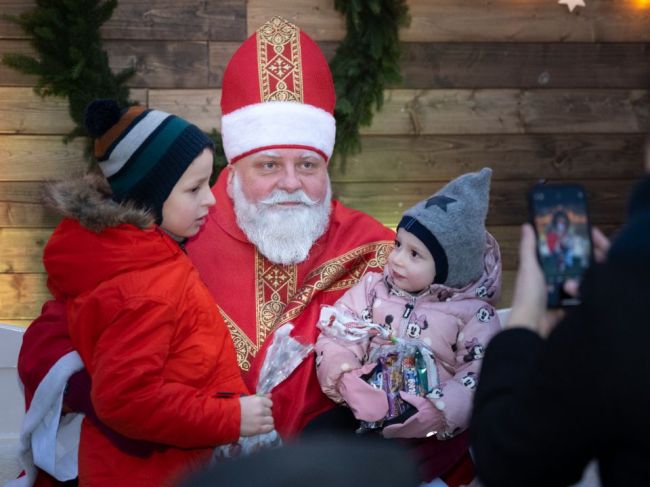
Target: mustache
x=280, y=196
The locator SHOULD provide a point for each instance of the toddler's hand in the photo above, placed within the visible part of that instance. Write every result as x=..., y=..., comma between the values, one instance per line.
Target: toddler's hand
x=256, y=417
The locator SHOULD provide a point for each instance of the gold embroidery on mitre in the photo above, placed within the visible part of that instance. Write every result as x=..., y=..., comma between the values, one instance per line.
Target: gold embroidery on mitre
x=244, y=347
x=279, y=61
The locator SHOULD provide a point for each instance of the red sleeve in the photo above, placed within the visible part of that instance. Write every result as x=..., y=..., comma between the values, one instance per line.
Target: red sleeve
x=45, y=341
x=131, y=395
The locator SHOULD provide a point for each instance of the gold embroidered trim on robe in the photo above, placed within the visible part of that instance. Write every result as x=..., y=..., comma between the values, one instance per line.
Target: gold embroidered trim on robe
x=279, y=61
x=244, y=347
x=277, y=301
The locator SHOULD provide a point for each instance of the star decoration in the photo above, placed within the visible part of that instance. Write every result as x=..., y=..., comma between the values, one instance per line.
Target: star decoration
x=439, y=201
x=571, y=4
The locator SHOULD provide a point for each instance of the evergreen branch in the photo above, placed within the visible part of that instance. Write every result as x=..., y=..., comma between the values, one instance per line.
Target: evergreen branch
x=71, y=62
x=365, y=62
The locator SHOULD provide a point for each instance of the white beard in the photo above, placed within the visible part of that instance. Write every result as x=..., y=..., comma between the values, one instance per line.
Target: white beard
x=284, y=235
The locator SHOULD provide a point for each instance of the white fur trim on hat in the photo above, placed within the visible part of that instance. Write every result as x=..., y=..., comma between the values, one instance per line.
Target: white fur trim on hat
x=277, y=123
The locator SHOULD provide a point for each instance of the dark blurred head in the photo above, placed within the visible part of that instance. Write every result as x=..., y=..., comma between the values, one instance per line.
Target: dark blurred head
x=317, y=462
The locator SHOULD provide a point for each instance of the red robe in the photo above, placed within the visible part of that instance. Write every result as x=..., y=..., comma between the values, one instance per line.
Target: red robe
x=256, y=296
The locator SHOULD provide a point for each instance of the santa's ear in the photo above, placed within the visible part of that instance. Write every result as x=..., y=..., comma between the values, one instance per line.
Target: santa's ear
x=229, y=182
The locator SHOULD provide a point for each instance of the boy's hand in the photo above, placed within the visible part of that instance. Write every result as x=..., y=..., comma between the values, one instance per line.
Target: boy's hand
x=256, y=417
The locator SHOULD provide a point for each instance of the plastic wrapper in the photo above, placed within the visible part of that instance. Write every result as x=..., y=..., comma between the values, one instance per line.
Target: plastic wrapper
x=406, y=365
x=282, y=357
x=341, y=326
x=403, y=364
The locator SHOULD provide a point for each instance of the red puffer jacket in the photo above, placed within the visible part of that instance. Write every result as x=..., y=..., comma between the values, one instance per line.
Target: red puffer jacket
x=153, y=341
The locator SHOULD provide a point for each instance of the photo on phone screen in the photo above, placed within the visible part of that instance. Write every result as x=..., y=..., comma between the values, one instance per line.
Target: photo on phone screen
x=559, y=215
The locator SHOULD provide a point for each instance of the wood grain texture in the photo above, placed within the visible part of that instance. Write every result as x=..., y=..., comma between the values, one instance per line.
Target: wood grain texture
x=40, y=157
x=21, y=296
x=161, y=64
x=512, y=157
x=524, y=65
x=386, y=201
x=21, y=249
x=200, y=64
x=24, y=112
x=224, y=20
x=21, y=206
x=472, y=21
x=511, y=111
x=9, y=30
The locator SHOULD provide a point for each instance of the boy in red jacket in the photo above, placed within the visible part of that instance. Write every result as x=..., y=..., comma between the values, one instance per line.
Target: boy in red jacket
x=161, y=360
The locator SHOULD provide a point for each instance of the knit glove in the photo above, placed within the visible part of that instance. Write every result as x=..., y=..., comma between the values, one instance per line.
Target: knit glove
x=418, y=425
x=366, y=402
x=77, y=398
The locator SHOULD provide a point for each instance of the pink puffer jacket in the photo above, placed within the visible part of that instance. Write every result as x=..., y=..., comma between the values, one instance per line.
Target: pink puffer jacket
x=456, y=324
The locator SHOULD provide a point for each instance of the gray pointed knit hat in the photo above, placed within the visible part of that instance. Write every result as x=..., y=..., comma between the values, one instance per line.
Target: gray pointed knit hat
x=451, y=223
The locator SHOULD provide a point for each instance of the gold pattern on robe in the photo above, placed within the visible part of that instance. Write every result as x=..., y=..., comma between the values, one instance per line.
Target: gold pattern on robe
x=277, y=301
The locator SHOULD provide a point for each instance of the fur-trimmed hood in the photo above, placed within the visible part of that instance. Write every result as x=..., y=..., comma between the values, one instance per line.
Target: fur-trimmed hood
x=99, y=239
x=88, y=200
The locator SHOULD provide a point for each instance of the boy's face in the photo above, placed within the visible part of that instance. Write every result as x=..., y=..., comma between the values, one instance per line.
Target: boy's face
x=410, y=263
x=186, y=208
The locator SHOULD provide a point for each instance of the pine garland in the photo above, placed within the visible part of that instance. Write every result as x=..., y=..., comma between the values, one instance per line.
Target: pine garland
x=72, y=63
x=365, y=62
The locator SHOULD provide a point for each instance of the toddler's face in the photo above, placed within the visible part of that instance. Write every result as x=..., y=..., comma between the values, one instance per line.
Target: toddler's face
x=410, y=263
x=186, y=208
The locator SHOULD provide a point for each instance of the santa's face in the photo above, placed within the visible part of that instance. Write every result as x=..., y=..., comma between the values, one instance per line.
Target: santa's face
x=288, y=170
x=282, y=201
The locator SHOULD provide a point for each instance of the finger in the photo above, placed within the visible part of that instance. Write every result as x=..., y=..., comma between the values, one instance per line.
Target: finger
x=552, y=318
x=601, y=244
x=527, y=253
x=572, y=287
x=529, y=297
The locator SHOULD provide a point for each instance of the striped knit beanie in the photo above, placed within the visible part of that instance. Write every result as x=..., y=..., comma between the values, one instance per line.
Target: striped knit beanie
x=143, y=153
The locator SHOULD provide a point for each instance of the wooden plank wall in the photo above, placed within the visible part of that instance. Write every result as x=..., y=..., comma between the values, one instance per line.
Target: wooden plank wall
x=522, y=86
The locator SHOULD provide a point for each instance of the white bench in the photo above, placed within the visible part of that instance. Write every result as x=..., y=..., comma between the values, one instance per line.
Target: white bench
x=13, y=405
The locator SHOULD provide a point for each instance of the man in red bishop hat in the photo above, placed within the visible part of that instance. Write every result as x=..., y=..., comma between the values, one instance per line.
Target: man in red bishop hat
x=275, y=248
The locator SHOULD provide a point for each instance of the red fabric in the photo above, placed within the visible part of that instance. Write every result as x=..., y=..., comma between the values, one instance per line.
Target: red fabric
x=438, y=458
x=155, y=346
x=353, y=244
x=462, y=473
x=309, y=74
x=45, y=341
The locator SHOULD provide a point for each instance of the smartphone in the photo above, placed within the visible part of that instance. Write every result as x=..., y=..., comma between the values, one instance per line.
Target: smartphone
x=558, y=212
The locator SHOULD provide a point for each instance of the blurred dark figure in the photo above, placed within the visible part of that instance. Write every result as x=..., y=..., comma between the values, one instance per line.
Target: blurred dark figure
x=552, y=399
x=325, y=461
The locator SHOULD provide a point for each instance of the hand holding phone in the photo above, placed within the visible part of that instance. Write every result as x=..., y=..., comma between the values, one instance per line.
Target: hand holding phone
x=559, y=215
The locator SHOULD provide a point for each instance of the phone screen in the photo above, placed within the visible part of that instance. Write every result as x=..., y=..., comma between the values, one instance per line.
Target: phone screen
x=559, y=215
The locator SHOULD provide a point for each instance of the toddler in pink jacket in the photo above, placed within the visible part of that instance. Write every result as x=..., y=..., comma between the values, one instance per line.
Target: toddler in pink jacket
x=435, y=299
